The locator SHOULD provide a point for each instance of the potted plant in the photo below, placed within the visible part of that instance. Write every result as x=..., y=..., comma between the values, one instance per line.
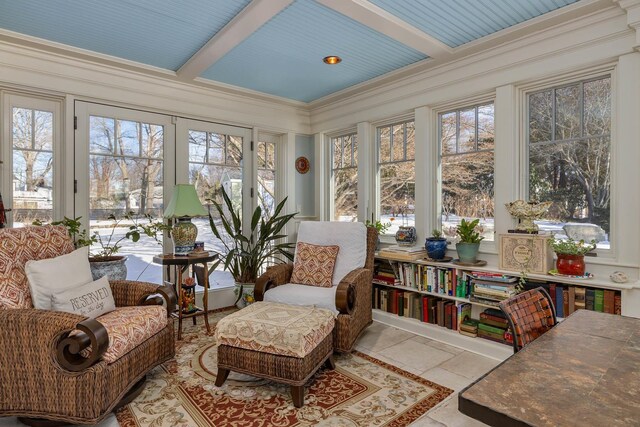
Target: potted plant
x=436, y=245
x=246, y=251
x=106, y=261
x=570, y=255
x=470, y=239
x=381, y=227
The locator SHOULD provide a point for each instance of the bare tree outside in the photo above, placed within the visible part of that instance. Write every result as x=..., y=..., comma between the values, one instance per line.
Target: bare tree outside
x=467, y=167
x=570, y=153
x=32, y=143
x=397, y=176
x=344, y=153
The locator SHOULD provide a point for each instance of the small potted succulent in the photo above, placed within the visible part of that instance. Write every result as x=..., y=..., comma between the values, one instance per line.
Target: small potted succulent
x=470, y=239
x=570, y=255
x=436, y=245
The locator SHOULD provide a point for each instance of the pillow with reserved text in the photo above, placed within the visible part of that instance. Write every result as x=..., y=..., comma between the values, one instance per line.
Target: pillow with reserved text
x=92, y=300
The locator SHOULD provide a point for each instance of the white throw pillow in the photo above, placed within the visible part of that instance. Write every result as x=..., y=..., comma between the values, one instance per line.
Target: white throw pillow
x=92, y=300
x=49, y=276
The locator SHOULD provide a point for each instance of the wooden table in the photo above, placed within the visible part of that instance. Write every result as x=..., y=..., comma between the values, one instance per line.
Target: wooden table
x=180, y=264
x=583, y=372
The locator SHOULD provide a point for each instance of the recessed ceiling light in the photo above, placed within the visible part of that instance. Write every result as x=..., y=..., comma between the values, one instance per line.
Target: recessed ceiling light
x=331, y=60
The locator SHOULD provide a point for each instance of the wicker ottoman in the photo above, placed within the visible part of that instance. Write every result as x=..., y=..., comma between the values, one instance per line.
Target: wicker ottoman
x=280, y=342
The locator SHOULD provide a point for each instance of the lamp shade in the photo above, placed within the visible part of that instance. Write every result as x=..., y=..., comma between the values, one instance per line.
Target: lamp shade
x=184, y=203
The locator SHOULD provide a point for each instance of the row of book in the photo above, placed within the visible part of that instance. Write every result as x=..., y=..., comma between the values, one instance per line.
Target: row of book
x=439, y=280
x=426, y=308
x=568, y=299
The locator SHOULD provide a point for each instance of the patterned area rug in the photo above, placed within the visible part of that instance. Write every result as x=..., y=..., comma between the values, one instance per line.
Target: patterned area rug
x=361, y=391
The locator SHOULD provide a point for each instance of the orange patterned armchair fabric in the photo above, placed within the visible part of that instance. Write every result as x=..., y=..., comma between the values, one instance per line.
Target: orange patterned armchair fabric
x=19, y=245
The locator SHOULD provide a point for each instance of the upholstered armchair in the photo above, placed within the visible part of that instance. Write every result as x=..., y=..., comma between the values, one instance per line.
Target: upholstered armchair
x=65, y=367
x=350, y=295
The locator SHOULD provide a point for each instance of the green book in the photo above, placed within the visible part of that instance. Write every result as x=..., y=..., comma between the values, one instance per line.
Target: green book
x=599, y=301
x=488, y=328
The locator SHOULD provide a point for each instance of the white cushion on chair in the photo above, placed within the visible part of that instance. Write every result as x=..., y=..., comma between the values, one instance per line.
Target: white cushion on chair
x=350, y=236
x=296, y=294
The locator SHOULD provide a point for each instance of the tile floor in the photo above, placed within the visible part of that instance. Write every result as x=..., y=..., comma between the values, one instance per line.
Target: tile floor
x=435, y=361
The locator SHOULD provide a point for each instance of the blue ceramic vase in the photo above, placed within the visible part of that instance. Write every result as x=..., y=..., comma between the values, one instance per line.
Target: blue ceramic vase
x=436, y=247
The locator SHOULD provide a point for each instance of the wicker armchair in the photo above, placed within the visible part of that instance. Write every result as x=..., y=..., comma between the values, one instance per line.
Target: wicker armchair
x=530, y=314
x=352, y=294
x=52, y=364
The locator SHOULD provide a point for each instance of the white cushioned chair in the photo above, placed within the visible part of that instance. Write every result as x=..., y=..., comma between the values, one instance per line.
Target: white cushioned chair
x=350, y=295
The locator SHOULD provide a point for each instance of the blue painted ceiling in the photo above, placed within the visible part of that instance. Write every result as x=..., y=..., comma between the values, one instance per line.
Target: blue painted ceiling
x=284, y=56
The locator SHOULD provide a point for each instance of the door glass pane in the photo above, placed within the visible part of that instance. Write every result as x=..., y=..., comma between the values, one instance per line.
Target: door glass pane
x=266, y=178
x=32, y=142
x=222, y=168
x=126, y=178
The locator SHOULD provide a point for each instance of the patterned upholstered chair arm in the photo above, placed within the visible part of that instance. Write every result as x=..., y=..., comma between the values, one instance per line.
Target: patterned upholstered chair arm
x=31, y=337
x=352, y=285
x=129, y=293
x=274, y=276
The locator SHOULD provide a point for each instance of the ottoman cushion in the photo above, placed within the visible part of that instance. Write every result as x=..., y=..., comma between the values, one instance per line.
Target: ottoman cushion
x=275, y=328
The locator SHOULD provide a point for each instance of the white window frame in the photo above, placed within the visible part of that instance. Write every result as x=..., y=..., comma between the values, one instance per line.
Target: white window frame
x=605, y=256
x=280, y=156
x=331, y=200
x=19, y=100
x=486, y=245
x=375, y=208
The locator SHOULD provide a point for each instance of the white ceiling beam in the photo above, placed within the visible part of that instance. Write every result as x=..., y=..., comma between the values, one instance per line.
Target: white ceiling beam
x=239, y=28
x=386, y=23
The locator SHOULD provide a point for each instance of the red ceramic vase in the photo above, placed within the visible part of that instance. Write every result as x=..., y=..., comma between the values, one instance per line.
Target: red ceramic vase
x=571, y=265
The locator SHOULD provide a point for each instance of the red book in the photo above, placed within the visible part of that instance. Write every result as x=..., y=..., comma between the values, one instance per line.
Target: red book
x=552, y=293
x=425, y=309
x=454, y=318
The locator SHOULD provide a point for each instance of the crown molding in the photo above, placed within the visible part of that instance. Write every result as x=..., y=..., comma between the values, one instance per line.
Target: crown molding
x=53, y=71
x=596, y=28
x=511, y=35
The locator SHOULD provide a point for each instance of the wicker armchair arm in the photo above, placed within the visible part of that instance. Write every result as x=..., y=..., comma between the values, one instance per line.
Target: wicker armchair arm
x=130, y=292
x=30, y=336
x=274, y=276
x=348, y=290
x=93, y=335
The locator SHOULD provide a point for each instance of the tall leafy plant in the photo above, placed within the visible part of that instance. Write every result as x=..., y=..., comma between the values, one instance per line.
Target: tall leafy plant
x=244, y=255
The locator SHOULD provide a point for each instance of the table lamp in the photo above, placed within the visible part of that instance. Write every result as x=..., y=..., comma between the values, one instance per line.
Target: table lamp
x=184, y=205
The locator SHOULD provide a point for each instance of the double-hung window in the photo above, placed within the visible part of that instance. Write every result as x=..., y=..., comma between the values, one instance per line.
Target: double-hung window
x=396, y=174
x=569, y=139
x=467, y=167
x=344, y=171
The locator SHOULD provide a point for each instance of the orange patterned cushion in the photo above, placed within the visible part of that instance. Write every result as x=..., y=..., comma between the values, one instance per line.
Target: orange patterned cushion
x=19, y=245
x=128, y=327
x=314, y=264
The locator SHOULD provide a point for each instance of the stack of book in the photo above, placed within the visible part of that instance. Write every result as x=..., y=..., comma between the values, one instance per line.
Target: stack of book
x=403, y=253
x=383, y=274
x=469, y=327
x=491, y=288
x=493, y=325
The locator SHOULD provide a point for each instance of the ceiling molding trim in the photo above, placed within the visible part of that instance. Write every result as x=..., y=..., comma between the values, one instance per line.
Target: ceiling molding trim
x=603, y=28
x=518, y=37
x=390, y=25
x=245, y=23
x=632, y=8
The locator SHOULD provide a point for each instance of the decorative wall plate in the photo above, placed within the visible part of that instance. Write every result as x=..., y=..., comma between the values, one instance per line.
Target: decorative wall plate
x=302, y=165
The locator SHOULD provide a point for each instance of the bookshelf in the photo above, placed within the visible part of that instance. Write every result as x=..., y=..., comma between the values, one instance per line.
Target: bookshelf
x=626, y=292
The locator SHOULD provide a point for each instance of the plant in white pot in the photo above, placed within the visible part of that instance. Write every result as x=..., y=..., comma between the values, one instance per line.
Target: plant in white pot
x=470, y=239
x=245, y=254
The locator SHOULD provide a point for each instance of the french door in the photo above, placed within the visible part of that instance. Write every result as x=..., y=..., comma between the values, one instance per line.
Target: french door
x=125, y=163
x=31, y=159
x=215, y=157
